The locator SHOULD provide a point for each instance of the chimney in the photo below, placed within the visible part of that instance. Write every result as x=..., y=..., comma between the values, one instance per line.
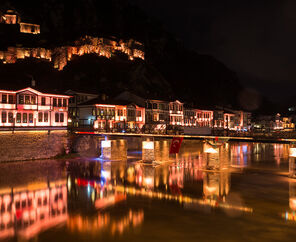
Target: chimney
x=104, y=97
x=33, y=82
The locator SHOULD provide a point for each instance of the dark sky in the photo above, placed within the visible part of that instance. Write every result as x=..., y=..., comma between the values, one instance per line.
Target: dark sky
x=255, y=38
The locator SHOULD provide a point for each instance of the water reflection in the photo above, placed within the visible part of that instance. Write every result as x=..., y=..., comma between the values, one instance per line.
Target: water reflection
x=290, y=215
x=25, y=212
x=91, y=199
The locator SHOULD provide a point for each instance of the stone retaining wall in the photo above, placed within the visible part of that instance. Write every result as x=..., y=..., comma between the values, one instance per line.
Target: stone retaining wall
x=28, y=145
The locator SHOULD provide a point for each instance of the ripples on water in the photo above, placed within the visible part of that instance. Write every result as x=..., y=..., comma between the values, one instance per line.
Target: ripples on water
x=239, y=191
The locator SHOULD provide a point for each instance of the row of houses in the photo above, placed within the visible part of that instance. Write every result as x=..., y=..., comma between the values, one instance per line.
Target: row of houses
x=29, y=108
x=127, y=111
x=274, y=123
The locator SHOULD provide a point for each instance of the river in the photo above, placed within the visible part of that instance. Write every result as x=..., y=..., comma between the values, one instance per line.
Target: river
x=239, y=191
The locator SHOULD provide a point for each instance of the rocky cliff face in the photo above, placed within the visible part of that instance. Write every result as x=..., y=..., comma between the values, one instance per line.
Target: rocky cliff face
x=169, y=69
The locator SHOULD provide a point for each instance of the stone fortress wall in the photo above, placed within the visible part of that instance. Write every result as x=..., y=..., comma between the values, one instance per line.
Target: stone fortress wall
x=60, y=56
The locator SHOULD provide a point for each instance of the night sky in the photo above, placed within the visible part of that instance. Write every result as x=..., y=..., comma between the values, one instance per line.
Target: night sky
x=255, y=38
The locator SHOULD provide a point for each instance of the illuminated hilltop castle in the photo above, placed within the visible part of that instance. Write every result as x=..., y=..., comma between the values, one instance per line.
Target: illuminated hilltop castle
x=12, y=17
x=87, y=45
x=61, y=55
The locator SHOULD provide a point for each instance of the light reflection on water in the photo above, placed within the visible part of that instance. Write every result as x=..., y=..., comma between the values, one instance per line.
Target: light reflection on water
x=89, y=200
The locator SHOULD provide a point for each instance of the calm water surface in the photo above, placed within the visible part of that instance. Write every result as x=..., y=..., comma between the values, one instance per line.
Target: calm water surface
x=242, y=192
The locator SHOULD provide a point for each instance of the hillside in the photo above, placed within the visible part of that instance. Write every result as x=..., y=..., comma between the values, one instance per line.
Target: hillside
x=169, y=69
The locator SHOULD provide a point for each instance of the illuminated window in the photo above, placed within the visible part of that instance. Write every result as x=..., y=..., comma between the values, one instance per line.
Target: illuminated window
x=43, y=101
x=4, y=117
x=40, y=117
x=33, y=100
x=46, y=117
x=30, y=118
x=120, y=112
x=21, y=99
x=94, y=111
x=57, y=117
x=61, y=117
x=4, y=98
x=10, y=117
x=18, y=117
x=27, y=99
x=25, y=118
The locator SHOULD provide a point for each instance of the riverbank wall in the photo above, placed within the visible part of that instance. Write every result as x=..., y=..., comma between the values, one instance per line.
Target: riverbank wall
x=31, y=145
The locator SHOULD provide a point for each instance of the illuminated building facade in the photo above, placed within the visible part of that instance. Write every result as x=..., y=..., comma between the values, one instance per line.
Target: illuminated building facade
x=198, y=118
x=229, y=119
x=119, y=117
x=76, y=99
x=12, y=17
x=111, y=115
x=157, y=113
x=162, y=113
x=274, y=123
x=60, y=56
x=176, y=113
x=29, y=108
